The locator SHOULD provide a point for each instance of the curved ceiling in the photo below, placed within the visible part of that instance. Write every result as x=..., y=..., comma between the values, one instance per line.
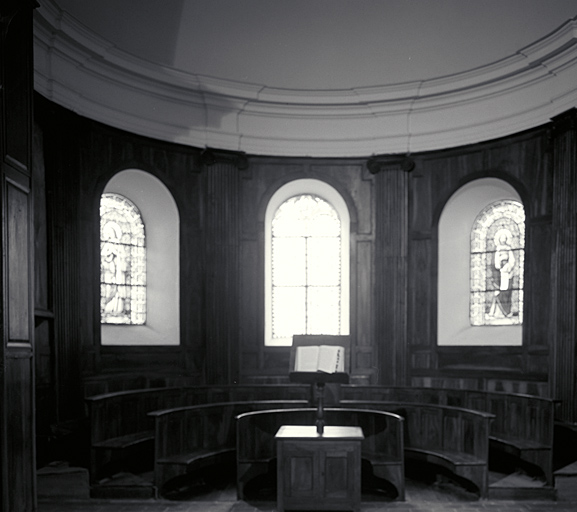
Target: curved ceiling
x=263, y=75
x=321, y=44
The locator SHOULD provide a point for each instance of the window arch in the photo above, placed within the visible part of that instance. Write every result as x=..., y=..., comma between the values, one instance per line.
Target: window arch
x=307, y=262
x=454, y=285
x=497, y=261
x=161, y=219
x=122, y=262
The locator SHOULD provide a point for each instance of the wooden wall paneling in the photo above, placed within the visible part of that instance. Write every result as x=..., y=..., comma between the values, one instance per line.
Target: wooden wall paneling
x=520, y=160
x=46, y=404
x=18, y=400
x=82, y=156
x=391, y=266
x=422, y=298
x=17, y=224
x=72, y=285
x=20, y=448
x=364, y=364
x=249, y=339
x=537, y=286
x=563, y=370
x=222, y=246
x=250, y=276
x=17, y=440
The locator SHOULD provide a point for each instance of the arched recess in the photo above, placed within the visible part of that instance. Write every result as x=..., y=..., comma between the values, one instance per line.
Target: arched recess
x=161, y=219
x=334, y=198
x=454, y=234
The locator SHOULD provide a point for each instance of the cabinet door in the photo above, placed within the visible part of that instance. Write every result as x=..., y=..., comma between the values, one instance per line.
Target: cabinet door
x=301, y=470
x=339, y=471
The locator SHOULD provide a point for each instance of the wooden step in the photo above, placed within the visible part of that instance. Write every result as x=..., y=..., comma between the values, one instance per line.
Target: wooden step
x=58, y=480
x=518, y=486
x=125, y=486
x=566, y=482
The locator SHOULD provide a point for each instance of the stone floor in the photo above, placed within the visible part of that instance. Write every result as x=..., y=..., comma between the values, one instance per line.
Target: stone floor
x=219, y=495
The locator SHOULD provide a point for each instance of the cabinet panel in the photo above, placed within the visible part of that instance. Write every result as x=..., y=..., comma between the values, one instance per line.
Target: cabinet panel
x=17, y=235
x=317, y=472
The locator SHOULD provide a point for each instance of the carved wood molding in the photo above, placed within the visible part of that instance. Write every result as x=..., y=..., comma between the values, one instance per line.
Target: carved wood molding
x=378, y=164
x=210, y=157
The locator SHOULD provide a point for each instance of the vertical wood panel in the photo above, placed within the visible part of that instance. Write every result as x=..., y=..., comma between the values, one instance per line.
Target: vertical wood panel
x=563, y=371
x=363, y=349
x=20, y=430
x=222, y=272
x=391, y=266
x=17, y=444
x=18, y=262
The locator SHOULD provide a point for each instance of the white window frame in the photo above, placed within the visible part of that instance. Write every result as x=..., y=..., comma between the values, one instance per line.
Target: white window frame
x=161, y=218
x=454, y=253
x=332, y=196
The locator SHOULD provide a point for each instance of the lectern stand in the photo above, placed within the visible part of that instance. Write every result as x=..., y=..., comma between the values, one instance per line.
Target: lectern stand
x=318, y=466
x=318, y=380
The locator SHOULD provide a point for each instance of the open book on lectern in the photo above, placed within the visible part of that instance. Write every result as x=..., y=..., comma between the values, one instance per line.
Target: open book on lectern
x=319, y=358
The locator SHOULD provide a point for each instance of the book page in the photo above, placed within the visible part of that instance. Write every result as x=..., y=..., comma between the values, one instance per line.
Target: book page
x=306, y=358
x=331, y=358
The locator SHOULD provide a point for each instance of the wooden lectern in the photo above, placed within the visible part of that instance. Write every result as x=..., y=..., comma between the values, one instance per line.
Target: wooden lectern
x=318, y=379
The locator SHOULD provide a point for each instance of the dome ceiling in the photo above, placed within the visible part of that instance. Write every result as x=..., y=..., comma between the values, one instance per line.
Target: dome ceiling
x=304, y=77
x=321, y=44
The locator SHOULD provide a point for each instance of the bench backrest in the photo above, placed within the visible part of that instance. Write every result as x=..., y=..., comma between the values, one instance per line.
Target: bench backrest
x=436, y=427
x=517, y=416
x=204, y=427
x=256, y=430
x=125, y=412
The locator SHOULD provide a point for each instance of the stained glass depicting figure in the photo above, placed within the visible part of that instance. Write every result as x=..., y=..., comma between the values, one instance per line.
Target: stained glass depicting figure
x=497, y=262
x=122, y=262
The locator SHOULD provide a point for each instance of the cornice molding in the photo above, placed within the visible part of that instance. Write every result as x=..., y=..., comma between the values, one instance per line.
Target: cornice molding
x=81, y=72
x=384, y=163
x=210, y=157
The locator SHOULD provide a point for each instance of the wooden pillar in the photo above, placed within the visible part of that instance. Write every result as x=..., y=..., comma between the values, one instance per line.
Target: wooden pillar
x=17, y=435
x=222, y=259
x=563, y=375
x=391, y=265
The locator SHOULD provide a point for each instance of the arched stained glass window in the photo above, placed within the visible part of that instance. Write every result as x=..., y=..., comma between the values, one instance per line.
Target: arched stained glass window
x=122, y=262
x=305, y=268
x=497, y=262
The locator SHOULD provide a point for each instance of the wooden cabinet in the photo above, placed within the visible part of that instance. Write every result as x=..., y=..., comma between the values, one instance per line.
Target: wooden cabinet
x=319, y=471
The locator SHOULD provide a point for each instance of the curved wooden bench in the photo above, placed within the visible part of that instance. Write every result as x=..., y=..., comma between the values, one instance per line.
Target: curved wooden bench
x=189, y=438
x=452, y=437
x=382, y=445
x=119, y=427
x=121, y=431
x=523, y=424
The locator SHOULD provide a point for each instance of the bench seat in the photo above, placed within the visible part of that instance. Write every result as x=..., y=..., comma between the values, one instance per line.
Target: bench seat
x=465, y=466
x=192, y=437
x=197, y=456
x=449, y=458
x=536, y=454
x=517, y=445
x=451, y=437
x=523, y=426
x=127, y=441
